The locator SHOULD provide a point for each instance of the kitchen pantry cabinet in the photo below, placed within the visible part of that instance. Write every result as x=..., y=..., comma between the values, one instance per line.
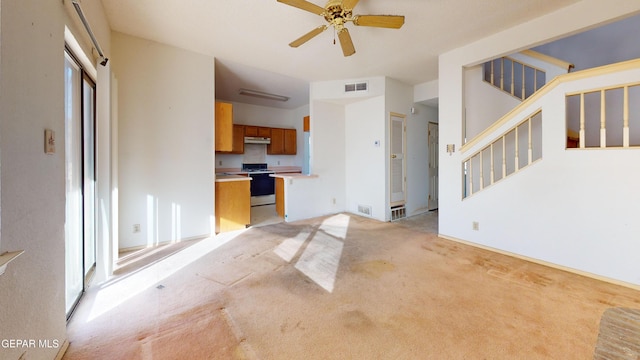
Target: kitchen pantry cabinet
x=224, y=126
x=283, y=142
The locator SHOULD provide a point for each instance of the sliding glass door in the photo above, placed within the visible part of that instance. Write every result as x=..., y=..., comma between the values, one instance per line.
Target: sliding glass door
x=80, y=233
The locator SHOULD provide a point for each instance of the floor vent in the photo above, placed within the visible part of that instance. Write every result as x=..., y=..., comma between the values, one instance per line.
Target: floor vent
x=356, y=87
x=398, y=212
x=364, y=209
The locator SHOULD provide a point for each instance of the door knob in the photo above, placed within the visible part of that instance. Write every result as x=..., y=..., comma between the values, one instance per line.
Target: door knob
x=394, y=156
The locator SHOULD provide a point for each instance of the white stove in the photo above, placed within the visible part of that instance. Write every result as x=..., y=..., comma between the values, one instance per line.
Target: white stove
x=263, y=188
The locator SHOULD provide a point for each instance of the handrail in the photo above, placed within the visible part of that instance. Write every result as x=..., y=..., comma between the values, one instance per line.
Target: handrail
x=578, y=75
x=548, y=59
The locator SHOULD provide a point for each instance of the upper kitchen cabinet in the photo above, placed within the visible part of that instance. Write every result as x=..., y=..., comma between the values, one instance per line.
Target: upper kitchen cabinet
x=283, y=142
x=276, y=146
x=224, y=127
x=290, y=142
x=238, y=139
x=258, y=131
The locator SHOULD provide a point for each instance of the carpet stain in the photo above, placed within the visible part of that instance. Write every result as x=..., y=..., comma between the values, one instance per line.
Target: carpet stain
x=356, y=320
x=492, y=266
x=373, y=269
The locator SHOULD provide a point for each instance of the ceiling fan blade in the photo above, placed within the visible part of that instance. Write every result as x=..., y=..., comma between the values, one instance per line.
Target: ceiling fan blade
x=383, y=21
x=308, y=36
x=345, y=41
x=304, y=5
x=349, y=4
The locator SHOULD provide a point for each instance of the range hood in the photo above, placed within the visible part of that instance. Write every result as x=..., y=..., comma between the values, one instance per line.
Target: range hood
x=256, y=140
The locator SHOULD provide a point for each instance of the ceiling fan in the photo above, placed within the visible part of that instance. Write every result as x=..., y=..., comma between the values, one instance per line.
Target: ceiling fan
x=337, y=13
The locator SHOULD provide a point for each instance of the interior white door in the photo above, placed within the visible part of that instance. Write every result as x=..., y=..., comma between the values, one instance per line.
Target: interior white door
x=398, y=164
x=433, y=166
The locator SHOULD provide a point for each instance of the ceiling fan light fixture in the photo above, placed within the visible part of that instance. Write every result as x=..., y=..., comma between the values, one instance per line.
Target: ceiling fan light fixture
x=263, y=95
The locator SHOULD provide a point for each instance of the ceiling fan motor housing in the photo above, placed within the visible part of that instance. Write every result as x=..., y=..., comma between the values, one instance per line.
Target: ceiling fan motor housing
x=336, y=15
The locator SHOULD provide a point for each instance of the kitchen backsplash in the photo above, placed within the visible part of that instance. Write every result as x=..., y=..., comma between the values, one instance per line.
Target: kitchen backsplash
x=254, y=153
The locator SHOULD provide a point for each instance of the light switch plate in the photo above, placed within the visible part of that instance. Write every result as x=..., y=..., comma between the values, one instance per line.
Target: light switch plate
x=49, y=142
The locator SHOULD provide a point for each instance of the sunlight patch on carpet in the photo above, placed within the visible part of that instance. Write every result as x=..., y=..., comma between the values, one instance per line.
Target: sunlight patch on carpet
x=119, y=290
x=320, y=259
x=619, y=335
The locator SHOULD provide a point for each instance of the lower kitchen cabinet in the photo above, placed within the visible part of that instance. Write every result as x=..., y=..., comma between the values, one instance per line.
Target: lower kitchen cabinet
x=280, y=197
x=232, y=205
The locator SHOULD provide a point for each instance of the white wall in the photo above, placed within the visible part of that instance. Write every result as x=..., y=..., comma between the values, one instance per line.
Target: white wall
x=484, y=103
x=247, y=114
x=344, y=131
x=328, y=144
x=32, y=196
x=575, y=211
x=365, y=168
x=165, y=133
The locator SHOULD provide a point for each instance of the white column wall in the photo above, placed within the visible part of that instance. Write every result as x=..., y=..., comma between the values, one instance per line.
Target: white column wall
x=365, y=168
x=165, y=140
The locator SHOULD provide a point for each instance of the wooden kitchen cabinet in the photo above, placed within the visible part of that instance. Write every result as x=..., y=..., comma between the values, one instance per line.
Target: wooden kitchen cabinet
x=238, y=139
x=280, y=197
x=224, y=126
x=276, y=147
x=232, y=205
x=290, y=142
x=283, y=142
x=257, y=131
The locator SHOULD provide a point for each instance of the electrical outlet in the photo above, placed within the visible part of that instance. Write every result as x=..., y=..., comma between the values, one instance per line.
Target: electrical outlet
x=136, y=228
x=278, y=162
x=475, y=225
x=333, y=201
x=220, y=162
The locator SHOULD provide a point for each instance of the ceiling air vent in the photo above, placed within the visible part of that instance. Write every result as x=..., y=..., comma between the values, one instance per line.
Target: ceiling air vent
x=356, y=87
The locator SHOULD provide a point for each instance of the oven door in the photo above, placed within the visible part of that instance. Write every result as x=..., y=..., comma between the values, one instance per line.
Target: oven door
x=262, y=184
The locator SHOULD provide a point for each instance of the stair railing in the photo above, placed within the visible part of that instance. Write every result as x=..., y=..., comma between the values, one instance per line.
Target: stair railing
x=517, y=148
x=514, y=77
x=602, y=116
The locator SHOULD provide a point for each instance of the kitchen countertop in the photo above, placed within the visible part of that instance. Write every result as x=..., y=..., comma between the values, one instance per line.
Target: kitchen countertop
x=230, y=177
x=294, y=176
x=276, y=169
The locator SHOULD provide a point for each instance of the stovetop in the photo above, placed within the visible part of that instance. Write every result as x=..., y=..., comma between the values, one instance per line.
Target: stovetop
x=256, y=168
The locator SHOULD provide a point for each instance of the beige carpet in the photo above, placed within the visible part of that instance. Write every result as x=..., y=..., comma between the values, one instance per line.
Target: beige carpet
x=342, y=287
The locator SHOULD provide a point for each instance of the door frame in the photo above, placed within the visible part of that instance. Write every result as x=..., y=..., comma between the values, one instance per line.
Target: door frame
x=432, y=201
x=393, y=156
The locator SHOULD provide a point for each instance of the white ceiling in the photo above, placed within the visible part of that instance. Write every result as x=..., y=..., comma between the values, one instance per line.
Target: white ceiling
x=249, y=38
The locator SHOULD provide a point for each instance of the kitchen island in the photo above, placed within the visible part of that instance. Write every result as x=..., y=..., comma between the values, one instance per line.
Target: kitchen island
x=283, y=183
x=233, y=202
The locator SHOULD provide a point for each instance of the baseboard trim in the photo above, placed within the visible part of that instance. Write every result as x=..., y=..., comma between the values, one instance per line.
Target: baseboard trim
x=544, y=263
x=142, y=247
x=62, y=350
